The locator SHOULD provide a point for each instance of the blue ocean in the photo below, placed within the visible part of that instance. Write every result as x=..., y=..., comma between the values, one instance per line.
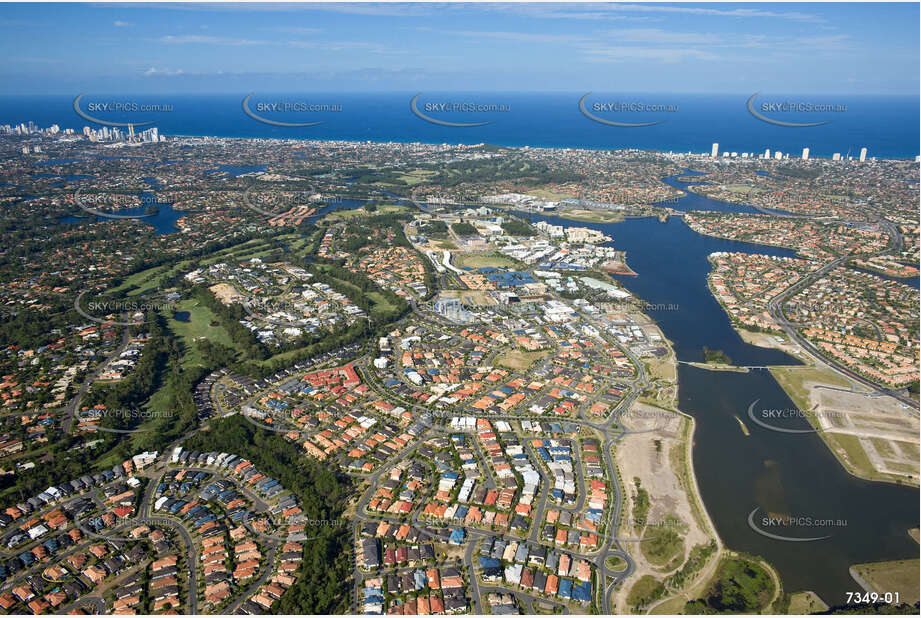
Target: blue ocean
x=887, y=126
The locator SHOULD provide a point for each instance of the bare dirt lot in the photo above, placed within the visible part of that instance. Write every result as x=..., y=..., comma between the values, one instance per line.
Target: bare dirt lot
x=474, y=298
x=644, y=454
x=226, y=293
x=880, y=427
x=890, y=577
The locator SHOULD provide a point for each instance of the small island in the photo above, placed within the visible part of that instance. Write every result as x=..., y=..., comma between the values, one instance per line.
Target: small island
x=717, y=357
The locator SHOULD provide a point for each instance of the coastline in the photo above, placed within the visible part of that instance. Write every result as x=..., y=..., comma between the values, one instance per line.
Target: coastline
x=675, y=151
x=759, y=339
x=810, y=363
x=836, y=450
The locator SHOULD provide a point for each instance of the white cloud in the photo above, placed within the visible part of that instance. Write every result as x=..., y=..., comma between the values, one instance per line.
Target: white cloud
x=296, y=30
x=690, y=10
x=525, y=37
x=203, y=39
x=331, y=46
x=154, y=72
x=620, y=53
x=656, y=36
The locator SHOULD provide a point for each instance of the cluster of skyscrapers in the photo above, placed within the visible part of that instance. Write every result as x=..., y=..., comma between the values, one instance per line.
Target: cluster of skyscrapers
x=103, y=134
x=715, y=152
x=114, y=134
x=30, y=128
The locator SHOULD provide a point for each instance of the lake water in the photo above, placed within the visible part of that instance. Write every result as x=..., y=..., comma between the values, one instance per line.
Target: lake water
x=792, y=475
x=163, y=222
x=692, y=201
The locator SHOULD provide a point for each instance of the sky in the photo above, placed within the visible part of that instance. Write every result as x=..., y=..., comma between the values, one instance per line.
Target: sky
x=792, y=48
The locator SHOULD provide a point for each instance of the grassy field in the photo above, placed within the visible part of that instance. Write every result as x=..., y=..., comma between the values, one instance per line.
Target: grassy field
x=246, y=254
x=108, y=460
x=644, y=590
x=353, y=290
x=615, y=563
x=753, y=582
x=845, y=447
x=793, y=379
x=590, y=216
x=280, y=358
x=152, y=277
x=346, y=215
x=416, y=176
x=681, y=467
x=380, y=302
x=848, y=450
x=198, y=326
x=483, y=260
x=670, y=607
x=802, y=603
x=893, y=576
x=740, y=189
x=662, y=547
x=245, y=250
x=546, y=194
x=664, y=369
x=520, y=359
x=884, y=448
x=140, y=279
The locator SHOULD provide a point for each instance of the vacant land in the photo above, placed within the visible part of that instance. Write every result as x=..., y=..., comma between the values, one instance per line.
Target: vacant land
x=664, y=369
x=381, y=304
x=663, y=547
x=741, y=585
x=873, y=437
x=547, y=194
x=740, y=189
x=671, y=521
x=892, y=576
x=646, y=590
x=474, y=298
x=138, y=280
x=769, y=340
x=808, y=602
x=483, y=260
x=591, y=216
x=879, y=436
x=226, y=293
x=798, y=381
x=519, y=359
x=354, y=213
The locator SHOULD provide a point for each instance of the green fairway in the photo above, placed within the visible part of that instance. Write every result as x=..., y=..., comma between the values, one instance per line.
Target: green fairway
x=198, y=325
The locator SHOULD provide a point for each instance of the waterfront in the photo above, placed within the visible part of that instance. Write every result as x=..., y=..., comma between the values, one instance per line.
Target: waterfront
x=887, y=125
x=693, y=201
x=164, y=220
x=781, y=475
x=789, y=475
